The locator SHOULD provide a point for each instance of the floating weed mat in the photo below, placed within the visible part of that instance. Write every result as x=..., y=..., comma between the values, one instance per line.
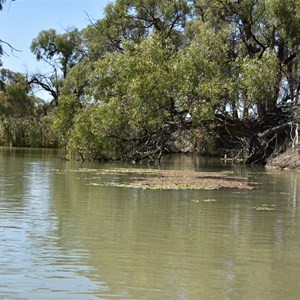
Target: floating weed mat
x=203, y=200
x=157, y=179
x=266, y=207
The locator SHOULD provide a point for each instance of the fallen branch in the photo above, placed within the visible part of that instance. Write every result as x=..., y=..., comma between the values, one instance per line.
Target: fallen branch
x=267, y=133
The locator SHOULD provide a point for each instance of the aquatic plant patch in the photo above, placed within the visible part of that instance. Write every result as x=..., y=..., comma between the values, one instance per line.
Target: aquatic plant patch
x=165, y=179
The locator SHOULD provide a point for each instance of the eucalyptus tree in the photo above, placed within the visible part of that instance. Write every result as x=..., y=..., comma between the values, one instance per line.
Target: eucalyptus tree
x=131, y=110
x=60, y=52
x=140, y=96
x=132, y=20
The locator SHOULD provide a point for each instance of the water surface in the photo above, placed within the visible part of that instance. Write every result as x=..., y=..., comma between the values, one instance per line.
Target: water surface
x=63, y=238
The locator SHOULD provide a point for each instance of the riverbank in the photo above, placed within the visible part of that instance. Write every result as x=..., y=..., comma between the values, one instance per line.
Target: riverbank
x=290, y=159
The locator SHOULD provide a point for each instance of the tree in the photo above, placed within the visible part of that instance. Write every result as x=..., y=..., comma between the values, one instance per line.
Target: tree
x=16, y=107
x=133, y=20
x=140, y=71
x=263, y=68
x=15, y=99
x=61, y=52
x=140, y=96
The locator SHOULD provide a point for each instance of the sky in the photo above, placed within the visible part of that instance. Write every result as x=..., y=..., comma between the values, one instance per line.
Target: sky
x=22, y=20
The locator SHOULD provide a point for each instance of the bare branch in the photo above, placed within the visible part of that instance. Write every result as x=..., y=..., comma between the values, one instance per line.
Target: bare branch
x=10, y=46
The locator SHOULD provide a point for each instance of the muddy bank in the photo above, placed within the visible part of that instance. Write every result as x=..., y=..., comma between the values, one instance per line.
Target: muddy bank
x=290, y=159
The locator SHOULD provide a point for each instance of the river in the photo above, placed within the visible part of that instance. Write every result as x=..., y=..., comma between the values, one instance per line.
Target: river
x=64, y=238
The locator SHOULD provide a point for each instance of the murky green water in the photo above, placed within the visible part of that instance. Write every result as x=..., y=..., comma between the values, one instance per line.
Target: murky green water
x=61, y=238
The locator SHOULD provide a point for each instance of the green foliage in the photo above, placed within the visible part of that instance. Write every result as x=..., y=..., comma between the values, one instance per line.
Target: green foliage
x=132, y=21
x=15, y=100
x=63, y=50
x=128, y=87
x=88, y=135
x=124, y=84
x=286, y=19
x=136, y=93
x=152, y=62
x=203, y=65
x=29, y=131
x=20, y=124
x=258, y=82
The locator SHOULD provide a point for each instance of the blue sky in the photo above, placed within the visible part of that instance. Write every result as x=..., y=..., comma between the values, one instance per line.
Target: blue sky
x=22, y=20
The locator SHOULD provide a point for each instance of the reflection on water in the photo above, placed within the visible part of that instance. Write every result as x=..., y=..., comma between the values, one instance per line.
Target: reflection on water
x=34, y=259
x=63, y=238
